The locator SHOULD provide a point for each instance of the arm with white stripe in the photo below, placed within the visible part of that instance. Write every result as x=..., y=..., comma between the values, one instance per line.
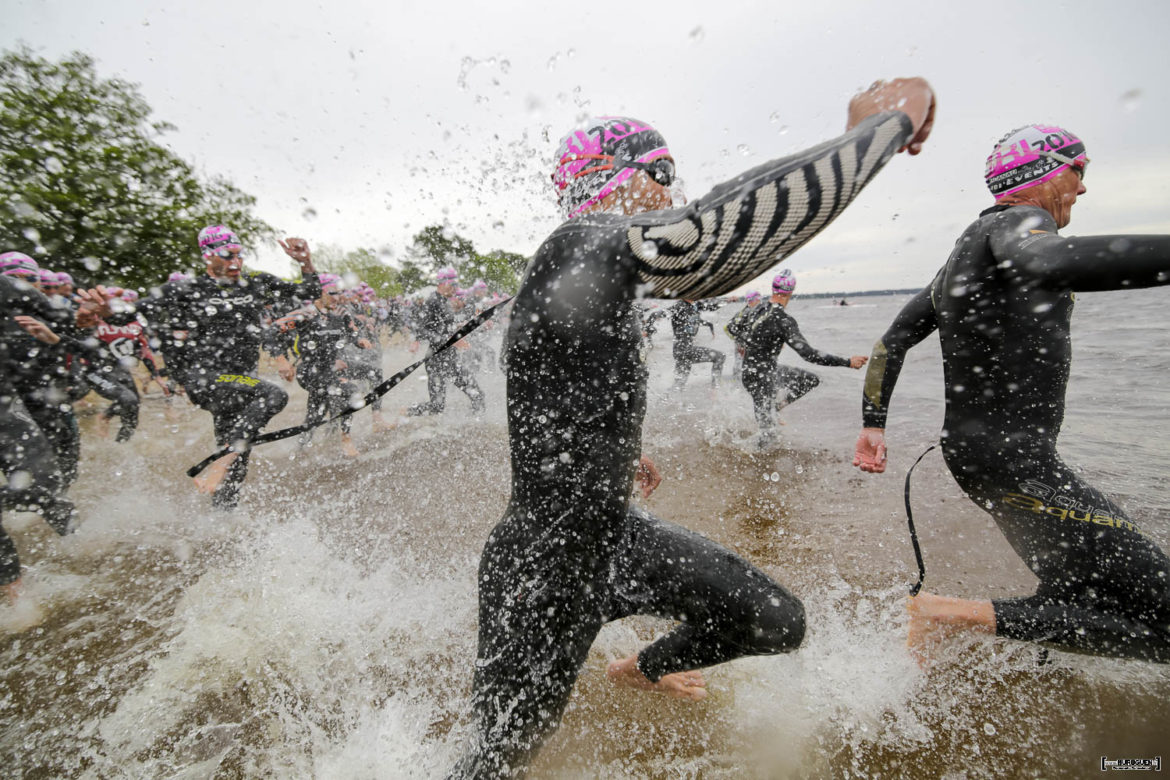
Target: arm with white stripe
x=747, y=225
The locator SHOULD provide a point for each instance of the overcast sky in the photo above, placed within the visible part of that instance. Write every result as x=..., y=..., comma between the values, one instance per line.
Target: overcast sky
x=360, y=123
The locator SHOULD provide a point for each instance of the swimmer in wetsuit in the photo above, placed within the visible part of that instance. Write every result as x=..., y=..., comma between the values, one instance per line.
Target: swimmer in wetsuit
x=570, y=553
x=434, y=324
x=765, y=334
x=1001, y=305
x=320, y=334
x=685, y=322
x=217, y=318
x=28, y=458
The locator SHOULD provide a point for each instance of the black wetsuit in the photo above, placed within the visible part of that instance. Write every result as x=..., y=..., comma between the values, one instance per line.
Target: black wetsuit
x=27, y=458
x=1002, y=305
x=685, y=322
x=737, y=330
x=433, y=324
x=769, y=329
x=321, y=340
x=220, y=355
x=570, y=553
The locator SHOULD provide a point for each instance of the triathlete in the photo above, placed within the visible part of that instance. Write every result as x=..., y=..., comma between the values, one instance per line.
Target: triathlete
x=33, y=479
x=685, y=323
x=46, y=374
x=217, y=316
x=122, y=346
x=434, y=323
x=319, y=336
x=766, y=334
x=570, y=552
x=1001, y=305
x=365, y=363
x=737, y=329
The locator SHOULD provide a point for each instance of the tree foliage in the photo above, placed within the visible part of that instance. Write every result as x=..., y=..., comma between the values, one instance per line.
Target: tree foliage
x=436, y=247
x=89, y=189
x=360, y=264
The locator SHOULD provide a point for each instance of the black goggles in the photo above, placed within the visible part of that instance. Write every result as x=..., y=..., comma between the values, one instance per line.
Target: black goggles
x=660, y=170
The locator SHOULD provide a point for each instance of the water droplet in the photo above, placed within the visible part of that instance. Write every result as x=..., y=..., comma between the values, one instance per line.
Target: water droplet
x=744, y=150
x=649, y=250
x=91, y=263
x=1131, y=99
x=309, y=213
x=697, y=35
x=989, y=729
x=775, y=476
x=53, y=165
x=32, y=234
x=800, y=469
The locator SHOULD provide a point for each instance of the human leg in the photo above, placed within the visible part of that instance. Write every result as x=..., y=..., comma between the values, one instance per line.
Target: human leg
x=1104, y=586
x=796, y=382
x=537, y=619
x=728, y=607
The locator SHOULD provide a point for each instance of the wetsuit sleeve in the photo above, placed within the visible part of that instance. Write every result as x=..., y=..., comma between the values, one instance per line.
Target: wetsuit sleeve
x=915, y=322
x=286, y=296
x=1028, y=239
x=792, y=336
x=747, y=225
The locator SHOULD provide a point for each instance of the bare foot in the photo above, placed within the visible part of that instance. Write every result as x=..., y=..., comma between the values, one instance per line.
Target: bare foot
x=22, y=613
x=382, y=424
x=680, y=685
x=103, y=426
x=934, y=618
x=12, y=591
x=210, y=480
x=347, y=447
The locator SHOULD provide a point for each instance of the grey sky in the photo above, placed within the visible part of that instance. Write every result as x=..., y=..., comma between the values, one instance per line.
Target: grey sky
x=360, y=123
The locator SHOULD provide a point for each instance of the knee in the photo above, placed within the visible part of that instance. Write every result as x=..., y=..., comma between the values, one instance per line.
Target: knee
x=274, y=399
x=779, y=624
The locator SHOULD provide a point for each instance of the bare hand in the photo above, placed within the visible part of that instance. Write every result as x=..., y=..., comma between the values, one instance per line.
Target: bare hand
x=870, y=452
x=298, y=249
x=647, y=476
x=912, y=96
x=285, y=369
x=93, y=304
x=857, y=361
x=37, y=329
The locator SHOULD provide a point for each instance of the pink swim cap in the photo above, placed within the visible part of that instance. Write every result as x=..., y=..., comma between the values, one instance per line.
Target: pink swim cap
x=1030, y=155
x=784, y=282
x=64, y=278
x=752, y=295
x=48, y=278
x=447, y=274
x=214, y=238
x=594, y=161
x=332, y=281
x=18, y=264
x=130, y=295
x=178, y=276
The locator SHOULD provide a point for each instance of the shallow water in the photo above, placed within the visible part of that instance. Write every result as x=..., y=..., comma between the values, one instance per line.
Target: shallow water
x=327, y=627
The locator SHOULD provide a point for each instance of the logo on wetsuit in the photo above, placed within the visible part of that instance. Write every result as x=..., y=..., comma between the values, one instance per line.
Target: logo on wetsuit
x=238, y=379
x=1063, y=507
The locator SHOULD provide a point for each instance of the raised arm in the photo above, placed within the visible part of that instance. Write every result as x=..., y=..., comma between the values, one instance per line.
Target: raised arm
x=747, y=225
x=1082, y=264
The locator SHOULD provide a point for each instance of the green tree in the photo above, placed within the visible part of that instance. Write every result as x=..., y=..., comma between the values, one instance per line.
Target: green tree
x=89, y=189
x=436, y=247
x=360, y=264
